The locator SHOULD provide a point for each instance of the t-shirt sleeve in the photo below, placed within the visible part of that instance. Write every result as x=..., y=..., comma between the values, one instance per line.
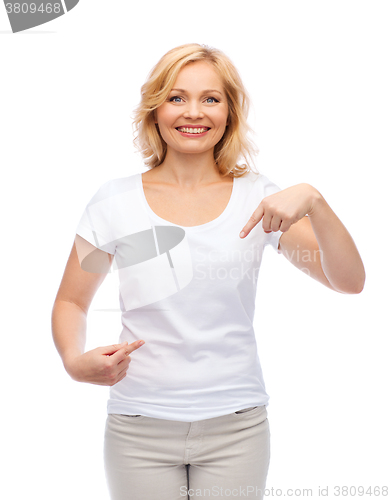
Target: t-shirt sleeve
x=269, y=188
x=95, y=222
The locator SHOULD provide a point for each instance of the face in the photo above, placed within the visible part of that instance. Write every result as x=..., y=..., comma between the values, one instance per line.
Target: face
x=198, y=101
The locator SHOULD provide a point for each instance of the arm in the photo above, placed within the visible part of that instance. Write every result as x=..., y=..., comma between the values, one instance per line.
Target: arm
x=69, y=326
x=318, y=244
x=331, y=254
x=103, y=365
x=75, y=294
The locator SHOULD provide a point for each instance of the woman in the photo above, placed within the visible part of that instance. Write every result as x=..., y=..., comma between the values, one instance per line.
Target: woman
x=189, y=417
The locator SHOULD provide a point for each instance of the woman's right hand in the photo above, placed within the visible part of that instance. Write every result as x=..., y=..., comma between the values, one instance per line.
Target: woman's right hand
x=103, y=365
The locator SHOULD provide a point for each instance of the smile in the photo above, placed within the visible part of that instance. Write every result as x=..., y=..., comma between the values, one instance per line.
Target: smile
x=188, y=132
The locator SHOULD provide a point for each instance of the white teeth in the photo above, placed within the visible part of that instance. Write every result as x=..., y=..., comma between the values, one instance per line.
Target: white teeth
x=192, y=130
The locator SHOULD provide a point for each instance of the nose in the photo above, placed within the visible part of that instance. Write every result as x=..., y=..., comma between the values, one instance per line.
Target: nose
x=193, y=109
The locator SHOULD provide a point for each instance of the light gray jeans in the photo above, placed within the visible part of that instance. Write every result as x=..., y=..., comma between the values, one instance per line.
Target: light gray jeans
x=156, y=459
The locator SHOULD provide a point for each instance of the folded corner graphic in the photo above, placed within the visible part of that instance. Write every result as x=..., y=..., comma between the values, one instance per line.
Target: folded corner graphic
x=152, y=264
x=24, y=14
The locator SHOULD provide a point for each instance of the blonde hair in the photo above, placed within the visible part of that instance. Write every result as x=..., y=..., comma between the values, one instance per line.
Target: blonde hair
x=156, y=89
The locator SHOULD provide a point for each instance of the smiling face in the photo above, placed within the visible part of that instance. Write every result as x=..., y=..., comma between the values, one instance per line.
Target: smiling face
x=198, y=101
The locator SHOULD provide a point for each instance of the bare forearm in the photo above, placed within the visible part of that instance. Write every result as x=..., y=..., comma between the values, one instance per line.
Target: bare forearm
x=340, y=258
x=69, y=326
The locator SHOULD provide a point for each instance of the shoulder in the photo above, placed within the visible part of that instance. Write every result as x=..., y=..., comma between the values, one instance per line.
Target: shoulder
x=259, y=182
x=114, y=187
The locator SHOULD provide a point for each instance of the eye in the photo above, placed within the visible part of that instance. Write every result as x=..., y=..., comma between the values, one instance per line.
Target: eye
x=174, y=97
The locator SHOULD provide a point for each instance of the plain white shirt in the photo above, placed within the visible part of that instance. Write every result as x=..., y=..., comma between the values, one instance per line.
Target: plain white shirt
x=189, y=292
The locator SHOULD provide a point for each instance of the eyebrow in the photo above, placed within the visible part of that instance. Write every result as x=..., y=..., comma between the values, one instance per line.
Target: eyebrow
x=204, y=92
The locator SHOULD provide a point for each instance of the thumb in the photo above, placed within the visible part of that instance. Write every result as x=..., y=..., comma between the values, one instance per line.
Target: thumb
x=111, y=349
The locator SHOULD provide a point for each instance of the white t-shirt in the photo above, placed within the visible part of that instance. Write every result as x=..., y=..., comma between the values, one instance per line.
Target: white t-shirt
x=189, y=293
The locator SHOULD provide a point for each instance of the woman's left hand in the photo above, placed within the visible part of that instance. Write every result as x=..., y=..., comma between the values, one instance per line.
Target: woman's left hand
x=281, y=210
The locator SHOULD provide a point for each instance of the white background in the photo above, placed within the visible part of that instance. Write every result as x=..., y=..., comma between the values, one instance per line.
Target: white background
x=318, y=76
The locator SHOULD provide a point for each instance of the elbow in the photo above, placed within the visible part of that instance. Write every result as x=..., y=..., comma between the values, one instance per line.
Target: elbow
x=356, y=290
x=353, y=288
x=360, y=284
x=360, y=288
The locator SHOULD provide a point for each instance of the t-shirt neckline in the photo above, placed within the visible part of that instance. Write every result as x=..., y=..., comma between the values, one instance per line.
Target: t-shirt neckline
x=199, y=227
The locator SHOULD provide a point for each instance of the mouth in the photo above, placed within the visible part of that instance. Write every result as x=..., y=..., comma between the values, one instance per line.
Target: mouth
x=192, y=131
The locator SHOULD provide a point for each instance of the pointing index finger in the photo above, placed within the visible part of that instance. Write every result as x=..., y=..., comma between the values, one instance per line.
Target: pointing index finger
x=133, y=346
x=128, y=349
x=253, y=221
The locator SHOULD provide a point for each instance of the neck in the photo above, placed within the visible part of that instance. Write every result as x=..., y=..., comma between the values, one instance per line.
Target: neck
x=189, y=170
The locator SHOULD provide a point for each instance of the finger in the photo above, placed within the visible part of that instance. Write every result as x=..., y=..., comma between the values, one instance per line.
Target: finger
x=275, y=223
x=124, y=363
x=122, y=373
x=126, y=350
x=122, y=377
x=285, y=226
x=253, y=221
x=110, y=349
x=267, y=221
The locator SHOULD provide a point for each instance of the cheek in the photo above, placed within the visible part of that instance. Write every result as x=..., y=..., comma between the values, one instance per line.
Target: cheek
x=222, y=117
x=165, y=115
x=222, y=121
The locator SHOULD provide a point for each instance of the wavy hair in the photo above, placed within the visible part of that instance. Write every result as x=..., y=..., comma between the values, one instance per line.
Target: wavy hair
x=234, y=144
